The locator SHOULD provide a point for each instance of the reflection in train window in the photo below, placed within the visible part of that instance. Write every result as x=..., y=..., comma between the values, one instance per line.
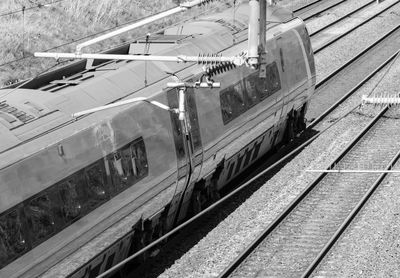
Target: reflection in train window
x=65, y=202
x=226, y=108
x=240, y=97
x=118, y=176
x=70, y=200
x=251, y=89
x=232, y=102
x=272, y=82
x=12, y=239
x=41, y=220
x=139, y=159
x=128, y=165
x=95, y=185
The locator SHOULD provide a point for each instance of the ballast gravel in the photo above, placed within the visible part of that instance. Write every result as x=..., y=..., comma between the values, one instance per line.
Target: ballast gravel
x=341, y=51
x=335, y=13
x=370, y=247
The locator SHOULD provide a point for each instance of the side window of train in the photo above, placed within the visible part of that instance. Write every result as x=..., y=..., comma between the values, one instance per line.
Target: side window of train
x=128, y=165
x=272, y=81
x=71, y=196
x=12, y=238
x=252, y=86
x=40, y=216
x=232, y=102
x=95, y=185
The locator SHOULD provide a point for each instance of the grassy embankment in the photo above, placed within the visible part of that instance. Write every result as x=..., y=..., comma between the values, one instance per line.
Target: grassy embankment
x=64, y=22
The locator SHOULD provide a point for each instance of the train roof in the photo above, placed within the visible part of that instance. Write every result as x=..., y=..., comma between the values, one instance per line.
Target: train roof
x=47, y=102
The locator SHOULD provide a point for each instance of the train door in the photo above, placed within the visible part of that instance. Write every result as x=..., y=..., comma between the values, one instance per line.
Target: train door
x=189, y=150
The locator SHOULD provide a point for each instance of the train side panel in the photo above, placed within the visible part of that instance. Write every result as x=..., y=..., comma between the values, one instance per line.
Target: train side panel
x=133, y=185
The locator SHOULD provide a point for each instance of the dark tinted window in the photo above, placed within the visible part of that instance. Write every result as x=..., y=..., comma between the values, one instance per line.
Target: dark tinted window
x=118, y=176
x=252, y=86
x=95, y=185
x=12, y=239
x=272, y=81
x=128, y=165
x=71, y=197
x=139, y=159
x=238, y=98
x=232, y=102
x=40, y=218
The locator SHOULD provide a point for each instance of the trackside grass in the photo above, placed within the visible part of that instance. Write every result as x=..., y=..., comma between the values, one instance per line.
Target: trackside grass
x=27, y=26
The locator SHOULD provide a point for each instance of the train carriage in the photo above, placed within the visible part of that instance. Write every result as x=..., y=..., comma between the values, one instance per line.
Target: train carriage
x=79, y=195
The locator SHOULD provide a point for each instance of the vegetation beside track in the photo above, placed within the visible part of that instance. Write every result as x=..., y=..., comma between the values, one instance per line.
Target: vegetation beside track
x=37, y=25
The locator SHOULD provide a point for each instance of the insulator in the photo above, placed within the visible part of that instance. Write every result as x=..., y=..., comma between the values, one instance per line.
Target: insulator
x=385, y=99
x=219, y=68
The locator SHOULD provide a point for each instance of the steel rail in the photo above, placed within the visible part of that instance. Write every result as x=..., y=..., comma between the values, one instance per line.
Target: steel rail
x=282, y=216
x=349, y=219
x=360, y=54
x=352, y=91
x=354, y=28
x=342, y=18
x=307, y=6
x=323, y=10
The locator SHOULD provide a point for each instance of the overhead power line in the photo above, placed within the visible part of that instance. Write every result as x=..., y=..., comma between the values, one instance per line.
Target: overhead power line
x=24, y=8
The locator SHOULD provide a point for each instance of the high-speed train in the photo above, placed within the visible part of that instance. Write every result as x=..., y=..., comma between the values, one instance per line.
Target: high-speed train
x=79, y=195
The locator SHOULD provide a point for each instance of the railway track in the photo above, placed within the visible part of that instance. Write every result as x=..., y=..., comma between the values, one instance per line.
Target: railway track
x=342, y=18
x=334, y=39
x=313, y=9
x=336, y=85
x=298, y=239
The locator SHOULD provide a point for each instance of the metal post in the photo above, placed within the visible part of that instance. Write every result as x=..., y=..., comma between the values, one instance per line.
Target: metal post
x=254, y=30
x=263, y=39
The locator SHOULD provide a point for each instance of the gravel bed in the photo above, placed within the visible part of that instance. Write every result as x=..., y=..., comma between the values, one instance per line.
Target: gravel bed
x=347, y=78
x=335, y=55
x=214, y=252
x=371, y=247
x=380, y=83
x=333, y=14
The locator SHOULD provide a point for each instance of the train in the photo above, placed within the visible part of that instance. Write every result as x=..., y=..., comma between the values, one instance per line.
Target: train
x=78, y=195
